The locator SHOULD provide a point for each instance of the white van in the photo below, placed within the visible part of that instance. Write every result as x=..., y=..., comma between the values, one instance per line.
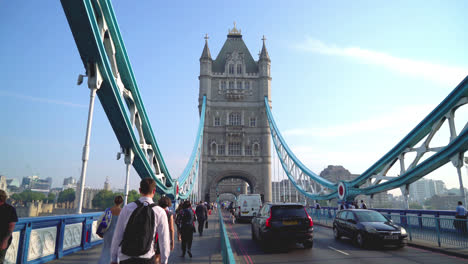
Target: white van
x=247, y=206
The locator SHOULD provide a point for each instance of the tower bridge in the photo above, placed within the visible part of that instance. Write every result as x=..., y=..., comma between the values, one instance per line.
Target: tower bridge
x=237, y=138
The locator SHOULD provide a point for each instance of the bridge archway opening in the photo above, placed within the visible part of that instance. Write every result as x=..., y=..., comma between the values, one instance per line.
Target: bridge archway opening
x=232, y=184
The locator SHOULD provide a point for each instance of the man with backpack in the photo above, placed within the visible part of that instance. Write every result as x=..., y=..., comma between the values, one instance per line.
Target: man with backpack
x=185, y=222
x=134, y=236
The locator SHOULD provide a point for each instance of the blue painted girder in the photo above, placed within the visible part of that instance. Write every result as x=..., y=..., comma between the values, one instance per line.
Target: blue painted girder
x=81, y=16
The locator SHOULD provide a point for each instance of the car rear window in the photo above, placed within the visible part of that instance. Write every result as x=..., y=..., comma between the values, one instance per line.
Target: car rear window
x=288, y=211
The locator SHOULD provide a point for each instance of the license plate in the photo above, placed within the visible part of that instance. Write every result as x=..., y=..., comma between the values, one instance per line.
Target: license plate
x=290, y=222
x=245, y=212
x=391, y=237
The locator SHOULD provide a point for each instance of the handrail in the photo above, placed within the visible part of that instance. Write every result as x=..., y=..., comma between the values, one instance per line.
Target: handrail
x=42, y=239
x=226, y=250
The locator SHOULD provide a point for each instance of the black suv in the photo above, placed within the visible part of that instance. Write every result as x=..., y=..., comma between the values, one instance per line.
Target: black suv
x=284, y=222
x=368, y=227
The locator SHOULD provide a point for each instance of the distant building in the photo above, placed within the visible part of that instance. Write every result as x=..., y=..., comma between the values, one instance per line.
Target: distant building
x=337, y=173
x=13, y=183
x=34, y=183
x=3, y=183
x=107, y=186
x=68, y=183
x=426, y=188
x=440, y=188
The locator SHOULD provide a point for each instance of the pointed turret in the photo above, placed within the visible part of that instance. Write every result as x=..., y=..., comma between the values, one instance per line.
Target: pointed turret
x=264, y=53
x=206, y=51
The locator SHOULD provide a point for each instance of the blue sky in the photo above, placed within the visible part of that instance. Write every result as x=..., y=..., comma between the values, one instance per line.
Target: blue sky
x=350, y=78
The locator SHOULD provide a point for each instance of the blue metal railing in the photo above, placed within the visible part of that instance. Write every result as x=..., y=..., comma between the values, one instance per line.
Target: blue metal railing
x=226, y=250
x=42, y=239
x=435, y=227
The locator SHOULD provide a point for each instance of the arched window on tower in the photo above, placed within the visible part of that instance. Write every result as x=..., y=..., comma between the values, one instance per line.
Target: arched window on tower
x=213, y=148
x=256, y=149
x=235, y=119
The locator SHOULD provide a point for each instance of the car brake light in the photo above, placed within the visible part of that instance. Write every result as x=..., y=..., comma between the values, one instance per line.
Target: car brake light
x=268, y=221
x=311, y=223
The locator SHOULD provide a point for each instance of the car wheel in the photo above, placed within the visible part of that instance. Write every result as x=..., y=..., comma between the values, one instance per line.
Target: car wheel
x=308, y=244
x=254, y=237
x=360, y=240
x=336, y=233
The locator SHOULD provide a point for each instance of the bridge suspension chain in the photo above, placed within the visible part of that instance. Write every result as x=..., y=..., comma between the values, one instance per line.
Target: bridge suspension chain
x=375, y=179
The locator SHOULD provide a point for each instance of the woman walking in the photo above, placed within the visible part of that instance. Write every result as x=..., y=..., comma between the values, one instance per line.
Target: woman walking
x=115, y=210
x=165, y=203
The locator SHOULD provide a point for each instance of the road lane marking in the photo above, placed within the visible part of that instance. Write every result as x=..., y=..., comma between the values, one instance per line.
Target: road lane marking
x=337, y=250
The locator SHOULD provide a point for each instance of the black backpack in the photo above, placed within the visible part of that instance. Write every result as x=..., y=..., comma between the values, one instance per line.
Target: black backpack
x=187, y=217
x=138, y=236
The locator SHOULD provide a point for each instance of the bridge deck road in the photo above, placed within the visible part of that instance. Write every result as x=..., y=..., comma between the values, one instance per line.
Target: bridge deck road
x=206, y=249
x=327, y=250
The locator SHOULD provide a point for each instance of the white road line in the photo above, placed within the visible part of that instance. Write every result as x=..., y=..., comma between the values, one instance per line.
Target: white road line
x=337, y=250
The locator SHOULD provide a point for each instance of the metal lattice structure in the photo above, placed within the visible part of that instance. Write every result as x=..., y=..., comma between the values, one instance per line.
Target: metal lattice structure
x=427, y=157
x=108, y=69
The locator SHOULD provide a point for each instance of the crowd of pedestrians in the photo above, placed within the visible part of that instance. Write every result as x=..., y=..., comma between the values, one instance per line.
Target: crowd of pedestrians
x=144, y=232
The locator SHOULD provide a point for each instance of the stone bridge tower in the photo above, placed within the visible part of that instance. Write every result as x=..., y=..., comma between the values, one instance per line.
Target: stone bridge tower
x=236, y=141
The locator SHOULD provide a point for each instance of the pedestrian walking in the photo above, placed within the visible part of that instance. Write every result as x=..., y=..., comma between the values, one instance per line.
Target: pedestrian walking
x=8, y=219
x=202, y=216
x=317, y=205
x=138, y=223
x=178, y=213
x=108, y=235
x=362, y=205
x=165, y=203
x=187, y=228
x=460, y=213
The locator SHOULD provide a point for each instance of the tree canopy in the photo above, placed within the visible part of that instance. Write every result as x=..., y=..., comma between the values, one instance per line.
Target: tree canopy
x=67, y=195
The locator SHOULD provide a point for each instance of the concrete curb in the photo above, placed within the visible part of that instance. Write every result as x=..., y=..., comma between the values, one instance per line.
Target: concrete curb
x=425, y=247
x=439, y=250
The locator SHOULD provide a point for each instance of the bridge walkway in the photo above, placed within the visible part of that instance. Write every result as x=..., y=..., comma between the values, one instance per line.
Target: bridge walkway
x=206, y=249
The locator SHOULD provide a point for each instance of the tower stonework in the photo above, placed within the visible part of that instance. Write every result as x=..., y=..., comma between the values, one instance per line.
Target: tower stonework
x=236, y=140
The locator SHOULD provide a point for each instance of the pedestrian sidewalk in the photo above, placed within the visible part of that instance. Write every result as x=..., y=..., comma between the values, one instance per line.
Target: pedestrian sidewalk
x=206, y=249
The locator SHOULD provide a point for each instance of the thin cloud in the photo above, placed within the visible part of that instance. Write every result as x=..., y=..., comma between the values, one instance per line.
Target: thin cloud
x=443, y=74
x=398, y=119
x=40, y=99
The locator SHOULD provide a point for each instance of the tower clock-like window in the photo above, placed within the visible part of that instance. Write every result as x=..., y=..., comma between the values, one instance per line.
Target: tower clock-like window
x=235, y=119
x=231, y=68
x=239, y=69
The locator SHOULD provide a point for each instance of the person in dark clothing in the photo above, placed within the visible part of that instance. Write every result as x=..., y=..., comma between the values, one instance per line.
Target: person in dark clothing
x=202, y=216
x=185, y=221
x=8, y=221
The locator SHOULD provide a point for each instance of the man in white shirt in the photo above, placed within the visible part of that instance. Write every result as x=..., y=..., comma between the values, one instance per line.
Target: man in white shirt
x=161, y=227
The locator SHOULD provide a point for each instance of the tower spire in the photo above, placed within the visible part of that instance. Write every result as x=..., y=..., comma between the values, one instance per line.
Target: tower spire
x=206, y=51
x=264, y=53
